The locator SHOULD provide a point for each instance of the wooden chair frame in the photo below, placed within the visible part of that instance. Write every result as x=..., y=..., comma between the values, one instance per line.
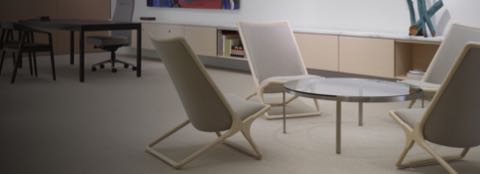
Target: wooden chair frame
x=237, y=126
x=415, y=135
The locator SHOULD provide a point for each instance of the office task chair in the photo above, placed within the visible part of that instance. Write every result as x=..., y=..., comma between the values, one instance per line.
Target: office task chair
x=25, y=44
x=207, y=108
x=457, y=36
x=453, y=116
x=274, y=58
x=123, y=13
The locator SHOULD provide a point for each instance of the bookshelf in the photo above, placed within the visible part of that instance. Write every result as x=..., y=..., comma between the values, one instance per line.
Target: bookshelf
x=229, y=44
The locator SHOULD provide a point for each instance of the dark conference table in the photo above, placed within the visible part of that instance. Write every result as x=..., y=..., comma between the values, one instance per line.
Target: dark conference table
x=83, y=26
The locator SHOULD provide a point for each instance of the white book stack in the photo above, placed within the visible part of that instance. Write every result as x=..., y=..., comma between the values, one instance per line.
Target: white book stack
x=415, y=74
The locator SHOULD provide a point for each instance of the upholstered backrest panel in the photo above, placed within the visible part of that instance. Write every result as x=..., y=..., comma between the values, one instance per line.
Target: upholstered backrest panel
x=271, y=49
x=456, y=37
x=203, y=102
x=455, y=116
x=123, y=13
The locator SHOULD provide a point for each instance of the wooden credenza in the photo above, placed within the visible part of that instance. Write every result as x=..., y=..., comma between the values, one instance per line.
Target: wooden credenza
x=372, y=56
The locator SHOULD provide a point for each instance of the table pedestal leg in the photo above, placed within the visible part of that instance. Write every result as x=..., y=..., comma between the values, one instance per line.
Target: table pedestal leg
x=284, y=114
x=139, y=51
x=72, y=47
x=360, y=113
x=82, y=55
x=339, y=128
x=423, y=101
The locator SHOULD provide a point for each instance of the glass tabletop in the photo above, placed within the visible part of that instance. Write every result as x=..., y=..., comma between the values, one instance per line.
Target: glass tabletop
x=352, y=89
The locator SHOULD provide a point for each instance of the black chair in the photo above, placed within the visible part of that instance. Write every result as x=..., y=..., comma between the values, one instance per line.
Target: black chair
x=123, y=13
x=25, y=44
x=7, y=36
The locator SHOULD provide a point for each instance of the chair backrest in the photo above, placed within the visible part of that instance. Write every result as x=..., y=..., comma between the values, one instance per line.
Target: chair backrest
x=453, y=118
x=17, y=32
x=123, y=13
x=2, y=35
x=205, y=105
x=271, y=49
x=8, y=33
x=456, y=37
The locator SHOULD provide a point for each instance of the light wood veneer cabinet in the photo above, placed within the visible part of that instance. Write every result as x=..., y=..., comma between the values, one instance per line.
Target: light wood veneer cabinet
x=359, y=55
x=319, y=51
x=202, y=39
x=367, y=56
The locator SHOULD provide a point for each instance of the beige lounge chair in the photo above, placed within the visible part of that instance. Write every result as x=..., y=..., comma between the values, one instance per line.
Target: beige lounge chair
x=274, y=59
x=452, y=119
x=207, y=108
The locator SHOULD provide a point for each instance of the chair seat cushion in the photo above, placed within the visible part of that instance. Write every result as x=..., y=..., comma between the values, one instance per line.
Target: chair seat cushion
x=243, y=108
x=274, y=84
x=425, y=86
x=108, y=41
x=410, y=116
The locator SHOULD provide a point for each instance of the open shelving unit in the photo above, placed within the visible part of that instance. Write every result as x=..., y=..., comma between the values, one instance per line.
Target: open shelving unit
x=413, y=56
x=229, y=44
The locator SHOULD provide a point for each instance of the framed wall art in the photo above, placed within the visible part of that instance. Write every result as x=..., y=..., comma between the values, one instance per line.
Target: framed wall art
x=201, y=4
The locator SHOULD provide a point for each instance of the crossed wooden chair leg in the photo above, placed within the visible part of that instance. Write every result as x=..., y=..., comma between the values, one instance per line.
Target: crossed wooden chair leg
x=287, y=101
x=246, y=133
x=443, y=161
x=413, y=138
x=244, y=128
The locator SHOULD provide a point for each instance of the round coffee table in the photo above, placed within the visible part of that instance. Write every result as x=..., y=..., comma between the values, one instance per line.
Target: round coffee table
x=349, y=90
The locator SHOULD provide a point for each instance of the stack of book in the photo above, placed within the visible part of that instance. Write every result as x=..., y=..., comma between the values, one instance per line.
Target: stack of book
x=237, y=51
x=415, y=74
x=231, y=45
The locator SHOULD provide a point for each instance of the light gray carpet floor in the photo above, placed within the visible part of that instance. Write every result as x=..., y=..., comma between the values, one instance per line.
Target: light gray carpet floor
x=102, y=126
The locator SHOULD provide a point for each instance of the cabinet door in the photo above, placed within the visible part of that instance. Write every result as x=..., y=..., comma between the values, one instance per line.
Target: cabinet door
x=203, y=40
x=319, y=51
x=157, y=31
x=367, y=56
x=146, y=42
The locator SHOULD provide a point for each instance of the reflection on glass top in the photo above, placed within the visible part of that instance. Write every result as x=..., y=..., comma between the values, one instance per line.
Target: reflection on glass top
x=349, y=87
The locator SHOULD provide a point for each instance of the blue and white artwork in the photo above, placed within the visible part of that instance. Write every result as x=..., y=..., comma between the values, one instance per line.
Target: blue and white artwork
x=202, y=4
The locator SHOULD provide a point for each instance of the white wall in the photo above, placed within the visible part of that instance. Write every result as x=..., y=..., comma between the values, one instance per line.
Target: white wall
x=385, y=16
x=464, y=11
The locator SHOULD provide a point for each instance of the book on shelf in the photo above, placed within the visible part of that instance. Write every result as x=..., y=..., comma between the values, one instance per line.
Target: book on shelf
x=232, y=46
x=227, y=45
x=237, y=51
